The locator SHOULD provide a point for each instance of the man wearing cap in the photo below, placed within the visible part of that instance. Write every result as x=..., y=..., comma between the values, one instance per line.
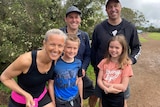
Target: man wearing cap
x=104, y=31
x=73, y=20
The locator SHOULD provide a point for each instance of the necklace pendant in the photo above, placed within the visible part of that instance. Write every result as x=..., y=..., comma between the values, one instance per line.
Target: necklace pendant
x=114, y=32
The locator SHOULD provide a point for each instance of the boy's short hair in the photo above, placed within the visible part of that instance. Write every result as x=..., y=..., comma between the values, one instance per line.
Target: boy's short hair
x=73, y=37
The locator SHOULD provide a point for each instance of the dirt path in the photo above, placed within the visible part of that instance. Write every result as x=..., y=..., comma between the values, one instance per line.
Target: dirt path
x=145, y=87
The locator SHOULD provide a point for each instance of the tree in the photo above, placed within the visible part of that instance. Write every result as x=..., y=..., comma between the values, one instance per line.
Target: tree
x=91, y=12
x=133, y=16
x=24, y=22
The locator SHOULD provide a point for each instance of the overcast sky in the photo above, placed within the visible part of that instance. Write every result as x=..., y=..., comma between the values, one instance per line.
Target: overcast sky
x=150, y=9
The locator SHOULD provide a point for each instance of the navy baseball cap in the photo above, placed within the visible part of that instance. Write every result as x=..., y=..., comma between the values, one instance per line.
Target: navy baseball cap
x=108, y=1
x=73, y=9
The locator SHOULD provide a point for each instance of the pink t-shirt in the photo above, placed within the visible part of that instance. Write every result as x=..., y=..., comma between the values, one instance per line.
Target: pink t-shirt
x=113, y=75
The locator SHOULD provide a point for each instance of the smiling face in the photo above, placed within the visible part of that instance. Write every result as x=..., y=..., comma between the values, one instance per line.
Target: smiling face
x=71, y=49
x=113, y=10
x=73, y=20
x=115, y=49
x=54, y=46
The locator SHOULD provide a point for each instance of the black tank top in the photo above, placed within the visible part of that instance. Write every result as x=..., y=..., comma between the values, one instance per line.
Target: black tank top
x=33, y=81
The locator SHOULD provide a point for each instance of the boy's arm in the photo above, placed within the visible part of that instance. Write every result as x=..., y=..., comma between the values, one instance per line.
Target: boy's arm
x=80, y=88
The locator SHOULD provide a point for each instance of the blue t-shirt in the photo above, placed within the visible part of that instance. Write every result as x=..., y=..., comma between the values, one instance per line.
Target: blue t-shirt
x=65, y=76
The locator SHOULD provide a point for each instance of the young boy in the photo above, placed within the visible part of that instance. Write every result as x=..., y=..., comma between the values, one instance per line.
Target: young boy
x=66, y=87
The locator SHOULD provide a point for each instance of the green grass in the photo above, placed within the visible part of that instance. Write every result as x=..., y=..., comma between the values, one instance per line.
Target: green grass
x=151, y=35
x=4, y=88
x=3, y=105
x=142, y=39
x=155, y=36
x=91, y=75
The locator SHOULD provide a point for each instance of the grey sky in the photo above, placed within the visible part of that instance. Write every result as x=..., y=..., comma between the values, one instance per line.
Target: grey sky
x=150, y=9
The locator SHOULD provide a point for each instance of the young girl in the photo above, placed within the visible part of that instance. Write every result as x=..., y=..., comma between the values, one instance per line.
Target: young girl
x=66, y=88
x=114, y=72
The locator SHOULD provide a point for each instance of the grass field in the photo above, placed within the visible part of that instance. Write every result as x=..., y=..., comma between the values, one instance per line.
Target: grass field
x=91, y=75
x=155, y=36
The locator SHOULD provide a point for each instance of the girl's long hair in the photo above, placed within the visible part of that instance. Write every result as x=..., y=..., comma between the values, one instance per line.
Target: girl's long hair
x=123, y=59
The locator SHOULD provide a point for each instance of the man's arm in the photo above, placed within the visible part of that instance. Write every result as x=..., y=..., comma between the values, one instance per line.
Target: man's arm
x=87, y=53
x=93, y=49
x=135, y=47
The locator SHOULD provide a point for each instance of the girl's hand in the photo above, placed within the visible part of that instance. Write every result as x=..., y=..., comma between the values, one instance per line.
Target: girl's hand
x=111, y=89
x=106, y=84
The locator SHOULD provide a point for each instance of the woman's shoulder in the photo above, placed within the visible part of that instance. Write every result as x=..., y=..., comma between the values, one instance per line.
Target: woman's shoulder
x=22, y=63
x=25, y=56
x=25, y=59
